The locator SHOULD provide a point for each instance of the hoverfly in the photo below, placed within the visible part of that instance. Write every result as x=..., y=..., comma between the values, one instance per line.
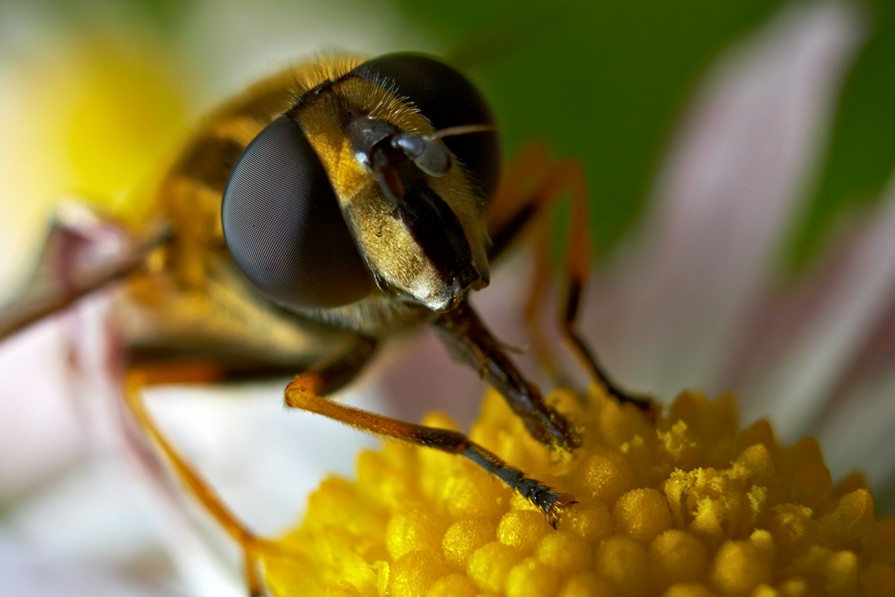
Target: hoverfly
x=309, y=219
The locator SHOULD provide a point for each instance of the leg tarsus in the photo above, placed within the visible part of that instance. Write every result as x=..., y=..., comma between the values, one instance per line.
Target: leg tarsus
x=545, y=498
x=586, y=358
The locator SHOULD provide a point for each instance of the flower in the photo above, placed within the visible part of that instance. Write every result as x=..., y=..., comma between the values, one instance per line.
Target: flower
x=691, y=504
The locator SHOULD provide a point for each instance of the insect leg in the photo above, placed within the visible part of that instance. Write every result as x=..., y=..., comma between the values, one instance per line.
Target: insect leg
x=470, y=341
x=535, y=299
x=306, y=392
x=136, y=380
x=517, y=207
x=541, y=182
x=84, y=250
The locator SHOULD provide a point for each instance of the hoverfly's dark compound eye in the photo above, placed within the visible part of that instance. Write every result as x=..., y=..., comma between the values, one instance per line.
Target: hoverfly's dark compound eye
x=283, y=225
x=447, y=99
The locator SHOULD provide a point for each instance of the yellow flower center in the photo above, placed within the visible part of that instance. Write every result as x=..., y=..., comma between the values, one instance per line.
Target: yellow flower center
x=690, y=505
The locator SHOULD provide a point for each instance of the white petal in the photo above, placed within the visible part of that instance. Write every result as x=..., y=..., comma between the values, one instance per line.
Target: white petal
x=799, y=384
x=40, y=430
x=726, y=196
x=26, y=572
x=860, y=437
x=83, y=524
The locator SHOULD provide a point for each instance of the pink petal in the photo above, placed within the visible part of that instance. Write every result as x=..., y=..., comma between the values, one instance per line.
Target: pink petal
x=672, y=309
x=860, y=436
x=24, y=571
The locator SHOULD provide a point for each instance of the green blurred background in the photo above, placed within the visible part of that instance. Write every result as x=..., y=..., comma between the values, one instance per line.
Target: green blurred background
x=606, y=81
x=602, y=81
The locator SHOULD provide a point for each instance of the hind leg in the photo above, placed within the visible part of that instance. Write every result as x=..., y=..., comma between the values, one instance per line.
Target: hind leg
x=206, y=371
x=533, y=183
x=136, y=381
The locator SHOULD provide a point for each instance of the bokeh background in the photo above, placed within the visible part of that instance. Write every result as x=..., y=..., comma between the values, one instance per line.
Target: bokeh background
x=95, y=95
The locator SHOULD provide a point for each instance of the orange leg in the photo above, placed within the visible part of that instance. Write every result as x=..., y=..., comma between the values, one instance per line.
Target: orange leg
x=305, y=393
x=251, y=545
x=532, y=183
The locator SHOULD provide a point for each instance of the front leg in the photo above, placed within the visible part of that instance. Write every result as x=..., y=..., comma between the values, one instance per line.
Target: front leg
x=307, y=392
x=470, y=341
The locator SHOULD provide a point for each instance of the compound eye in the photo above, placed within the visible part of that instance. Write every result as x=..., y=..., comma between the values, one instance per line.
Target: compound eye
x=284, y=227
x=447, y=99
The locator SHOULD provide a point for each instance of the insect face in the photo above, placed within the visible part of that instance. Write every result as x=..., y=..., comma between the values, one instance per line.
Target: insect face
x=351, y=193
